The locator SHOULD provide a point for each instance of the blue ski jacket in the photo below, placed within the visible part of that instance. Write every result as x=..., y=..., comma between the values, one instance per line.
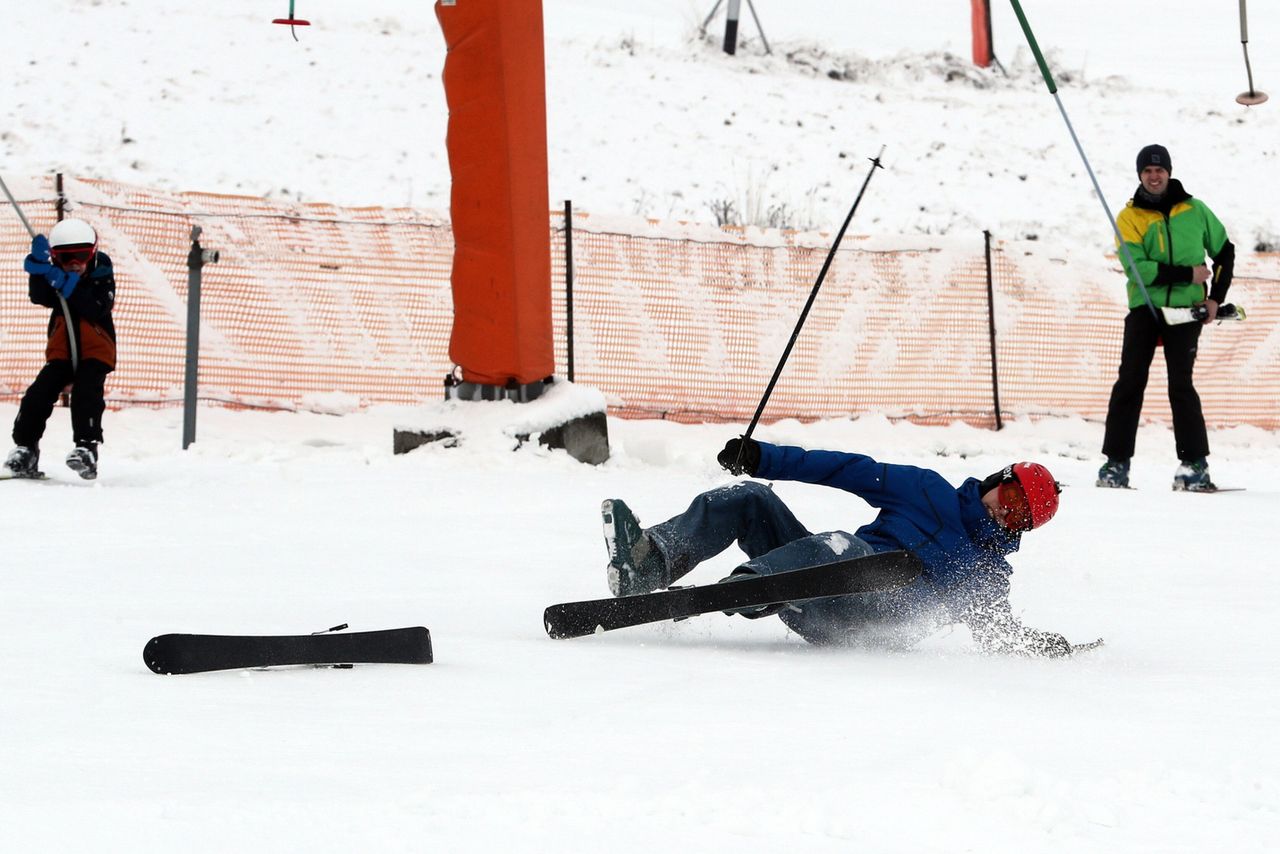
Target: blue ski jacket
x=963, y=550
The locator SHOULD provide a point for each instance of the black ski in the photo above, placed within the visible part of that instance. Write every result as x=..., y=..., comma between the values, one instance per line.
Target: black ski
x=857, y=575
x=1175, y=489
x=1212, y=491
x=169, y=654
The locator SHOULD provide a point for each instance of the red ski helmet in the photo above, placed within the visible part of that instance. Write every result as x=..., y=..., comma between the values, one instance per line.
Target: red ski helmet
x=1028, y=493
x=1041, y=491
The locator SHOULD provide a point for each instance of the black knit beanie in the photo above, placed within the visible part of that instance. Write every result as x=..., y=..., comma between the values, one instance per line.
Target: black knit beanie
x=1155, y=155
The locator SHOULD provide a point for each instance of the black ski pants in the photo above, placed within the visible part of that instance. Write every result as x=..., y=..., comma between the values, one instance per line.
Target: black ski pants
x=1142, y=334
x=86, y=401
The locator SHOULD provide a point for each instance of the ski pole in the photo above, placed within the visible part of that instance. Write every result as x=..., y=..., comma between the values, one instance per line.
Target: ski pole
x=1125, y=255
x=66, y=311
x=875, y=164
x=1251, y=97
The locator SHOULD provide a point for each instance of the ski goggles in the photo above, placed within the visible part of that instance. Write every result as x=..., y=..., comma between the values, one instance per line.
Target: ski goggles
x=75, y=255
x=1014, y=501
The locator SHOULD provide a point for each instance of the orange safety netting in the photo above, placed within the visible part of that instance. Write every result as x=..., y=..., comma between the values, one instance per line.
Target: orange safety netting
x=308, y=305
x=316, y=306
x=691, y=329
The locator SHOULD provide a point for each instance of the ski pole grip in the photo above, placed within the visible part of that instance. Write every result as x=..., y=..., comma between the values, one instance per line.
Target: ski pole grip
x=1035, y=48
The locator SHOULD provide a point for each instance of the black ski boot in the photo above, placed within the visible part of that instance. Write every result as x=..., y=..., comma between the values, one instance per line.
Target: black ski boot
x=23, y=461
x=1193, y=476
x=635, y=564
x=83, y=460
x=1114, y=474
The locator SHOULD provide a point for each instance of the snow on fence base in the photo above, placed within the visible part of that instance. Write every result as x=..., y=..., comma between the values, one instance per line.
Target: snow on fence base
x=566, y=416
x=316, y=302
x=585, y=438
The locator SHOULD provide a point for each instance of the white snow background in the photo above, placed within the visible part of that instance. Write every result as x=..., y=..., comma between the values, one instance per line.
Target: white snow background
x=709, y=734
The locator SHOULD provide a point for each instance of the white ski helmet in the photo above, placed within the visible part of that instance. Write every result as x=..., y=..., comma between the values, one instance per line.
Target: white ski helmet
x=73, y=240
x=73, y=232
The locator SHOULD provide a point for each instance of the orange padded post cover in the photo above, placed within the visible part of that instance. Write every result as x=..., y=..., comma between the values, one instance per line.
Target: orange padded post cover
x=980, y=13
x=494, y=82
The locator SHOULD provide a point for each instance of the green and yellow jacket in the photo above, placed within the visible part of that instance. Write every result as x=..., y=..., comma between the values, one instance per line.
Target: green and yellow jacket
x=1167, y=238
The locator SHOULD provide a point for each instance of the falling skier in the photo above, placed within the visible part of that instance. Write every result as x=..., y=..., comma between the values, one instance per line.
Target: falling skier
x=961, y=536
x=66, y=267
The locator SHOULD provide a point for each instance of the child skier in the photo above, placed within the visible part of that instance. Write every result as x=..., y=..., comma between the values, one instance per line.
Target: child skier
x=69, y=275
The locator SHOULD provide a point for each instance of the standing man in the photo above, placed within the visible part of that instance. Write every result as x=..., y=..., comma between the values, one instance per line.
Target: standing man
x=67, y=264
x=1168, y=234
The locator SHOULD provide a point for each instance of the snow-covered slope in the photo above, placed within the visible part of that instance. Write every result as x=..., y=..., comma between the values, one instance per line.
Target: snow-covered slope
x=714, y=733
x=710, y=734
x=646, y=118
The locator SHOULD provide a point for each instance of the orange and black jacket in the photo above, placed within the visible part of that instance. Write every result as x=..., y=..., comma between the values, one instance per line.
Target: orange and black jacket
x=90, y=304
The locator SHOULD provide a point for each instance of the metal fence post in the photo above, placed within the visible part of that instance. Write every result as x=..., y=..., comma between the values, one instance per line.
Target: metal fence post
x=196, y=259
x=568, y=283
x=991, y=325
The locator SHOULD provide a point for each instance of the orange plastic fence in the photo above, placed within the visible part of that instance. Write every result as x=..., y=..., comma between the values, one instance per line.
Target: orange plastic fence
x=310, y=305
x=691, y=329
x=315, y=306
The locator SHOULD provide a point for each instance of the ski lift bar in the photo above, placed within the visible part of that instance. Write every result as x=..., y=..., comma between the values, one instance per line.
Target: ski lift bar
x=292, y=22
x=1253, y=97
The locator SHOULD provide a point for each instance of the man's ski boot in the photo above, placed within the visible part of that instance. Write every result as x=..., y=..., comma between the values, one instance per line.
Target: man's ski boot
x=83, y=460
x=635, y=564
x=1114, y=474
x=23, y=462
x=1193, y=476
x=751, y=612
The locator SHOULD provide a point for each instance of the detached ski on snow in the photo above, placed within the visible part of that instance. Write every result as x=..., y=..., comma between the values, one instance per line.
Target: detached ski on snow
x=169, y=654
x=858, y=575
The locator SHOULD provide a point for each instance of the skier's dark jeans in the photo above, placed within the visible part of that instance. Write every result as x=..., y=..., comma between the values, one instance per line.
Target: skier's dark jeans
x=750, y=514
x=1141, y=334
x=86, y=401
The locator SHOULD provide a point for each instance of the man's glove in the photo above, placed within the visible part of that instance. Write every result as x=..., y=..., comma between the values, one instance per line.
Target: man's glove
x=40, y=248
x=1045, y=644
x=740, y=456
